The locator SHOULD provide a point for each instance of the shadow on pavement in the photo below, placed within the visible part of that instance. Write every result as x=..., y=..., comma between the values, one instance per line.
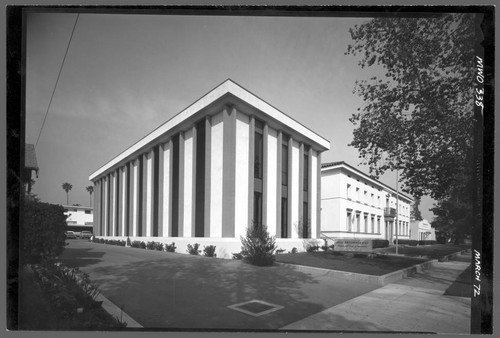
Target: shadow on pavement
x=81, y=257
x=195, y=292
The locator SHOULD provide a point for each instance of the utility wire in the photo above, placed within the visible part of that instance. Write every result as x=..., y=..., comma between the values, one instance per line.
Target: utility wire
x=57, y=80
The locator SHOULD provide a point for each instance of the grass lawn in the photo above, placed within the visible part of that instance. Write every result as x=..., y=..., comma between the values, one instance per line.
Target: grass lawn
x=427, y=251
x=378, y=266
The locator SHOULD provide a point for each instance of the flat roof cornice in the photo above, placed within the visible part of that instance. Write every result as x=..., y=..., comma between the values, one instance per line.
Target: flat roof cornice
x=227, y=87
x=347, y=167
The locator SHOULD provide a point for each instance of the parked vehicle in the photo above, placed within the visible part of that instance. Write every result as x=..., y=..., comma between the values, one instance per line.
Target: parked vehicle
x=70, y=235
x=85, y=234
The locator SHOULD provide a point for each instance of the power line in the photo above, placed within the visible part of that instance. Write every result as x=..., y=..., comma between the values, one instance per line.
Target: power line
x=57, y=80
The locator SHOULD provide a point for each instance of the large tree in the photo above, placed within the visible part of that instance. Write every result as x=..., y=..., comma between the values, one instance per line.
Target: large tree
x=90, y=190
x=418, y=111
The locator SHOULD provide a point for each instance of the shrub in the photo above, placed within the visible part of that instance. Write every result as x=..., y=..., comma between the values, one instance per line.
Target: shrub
x=151, y=245
x=325, y=247
x=128, y=241
x=237, y=255
x=380, y=243
x=193, y=249
x=138, y=244
x=170, y=247
x=43, y=229
x=294, y=250
x=278, y=251
x=159, y=247
x=312, y=248
x=258, y=246
x=426, y=242
x=410, y=242
x=209, y=251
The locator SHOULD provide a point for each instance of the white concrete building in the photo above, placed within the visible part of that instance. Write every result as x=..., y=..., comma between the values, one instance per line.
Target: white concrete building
x=354, y=205
x=228, y=160
x=422, y=231
x=79, y=218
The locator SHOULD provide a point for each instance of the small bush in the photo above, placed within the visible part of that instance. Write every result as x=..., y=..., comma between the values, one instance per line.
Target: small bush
x=280, y=251
x=170, y=247
x=151, y=245
x=128, y=241
x=237, y=255
x=410, y=242
x=209, y=251
x=294, y=250
x=142, y=245
x=380, y=243
x=193, y=249
x=312, y=248
x=427, y=242
x=324, y=247
x=258, y=246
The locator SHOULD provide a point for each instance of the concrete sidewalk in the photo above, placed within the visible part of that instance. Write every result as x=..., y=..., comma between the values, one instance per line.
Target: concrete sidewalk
x=413, y=304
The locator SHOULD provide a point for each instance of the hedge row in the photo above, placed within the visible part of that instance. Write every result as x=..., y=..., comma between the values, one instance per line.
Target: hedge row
x=414, y=242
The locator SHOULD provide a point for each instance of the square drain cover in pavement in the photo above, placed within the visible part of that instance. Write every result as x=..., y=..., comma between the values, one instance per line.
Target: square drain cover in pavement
x=255, y=307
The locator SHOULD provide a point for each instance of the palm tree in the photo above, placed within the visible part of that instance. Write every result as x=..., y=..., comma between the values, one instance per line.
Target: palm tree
x=67, y=187
x=90, y=190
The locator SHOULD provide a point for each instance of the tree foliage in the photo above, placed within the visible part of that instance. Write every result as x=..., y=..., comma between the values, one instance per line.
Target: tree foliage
x=418, y=114
x=258, y=246
x=43, y=231
x=67, y=187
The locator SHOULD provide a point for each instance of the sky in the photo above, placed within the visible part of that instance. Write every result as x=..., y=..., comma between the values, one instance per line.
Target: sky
x=124, y=75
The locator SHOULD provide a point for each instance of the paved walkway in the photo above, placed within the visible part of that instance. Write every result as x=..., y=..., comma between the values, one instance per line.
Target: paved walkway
x=414, y=304
x=170, y=290
x=162, y=290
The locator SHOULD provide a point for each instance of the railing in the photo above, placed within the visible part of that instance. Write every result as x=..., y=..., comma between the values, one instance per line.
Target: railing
x=389, y=212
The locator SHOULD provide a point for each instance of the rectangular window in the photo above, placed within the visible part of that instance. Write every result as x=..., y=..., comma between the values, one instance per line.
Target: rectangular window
x=257, y=208
x=284, y=217
x=373, y=224
x=348, y=191
x=365, y=197
x=378, y=225
x=372, y=200
x=88, y=211
x=348, y=221
x=358, y=222
x=284, y=165
x=258, y=155
x=357, y=194
x=365, y=223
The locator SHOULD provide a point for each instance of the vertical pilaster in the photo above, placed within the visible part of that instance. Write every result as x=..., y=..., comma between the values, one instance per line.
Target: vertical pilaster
x=149, y=192
x=112, y=203
x=251, y=170
x=124, y=210
x=180, y=225
x=265, y=163
x=144, y=195
x=161, y=184
x=278, y=183
x=301, y=191
x=228, y=184
x=167, y=188
x=318, y=196
x=208, y=165
x=106, y=206
x=135, y=198
x=97, y=210
x=292, y=203
x=193, y=170
x=310, y=198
